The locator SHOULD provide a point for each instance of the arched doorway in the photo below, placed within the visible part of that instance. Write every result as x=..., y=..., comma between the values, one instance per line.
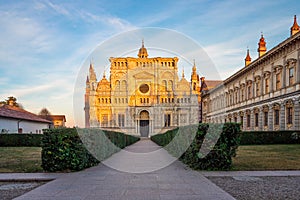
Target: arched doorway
x=144, y=123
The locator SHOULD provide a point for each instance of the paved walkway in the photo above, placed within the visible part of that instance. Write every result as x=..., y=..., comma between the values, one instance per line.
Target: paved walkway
x=175, y=181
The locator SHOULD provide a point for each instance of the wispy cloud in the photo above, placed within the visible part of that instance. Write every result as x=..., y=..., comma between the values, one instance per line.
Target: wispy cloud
x=24, y=37
x=59, y=9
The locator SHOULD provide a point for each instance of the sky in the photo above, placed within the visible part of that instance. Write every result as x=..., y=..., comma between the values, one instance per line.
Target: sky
x=45, y=43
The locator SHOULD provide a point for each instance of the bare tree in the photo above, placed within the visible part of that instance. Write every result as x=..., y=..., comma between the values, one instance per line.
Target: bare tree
x=44, y=113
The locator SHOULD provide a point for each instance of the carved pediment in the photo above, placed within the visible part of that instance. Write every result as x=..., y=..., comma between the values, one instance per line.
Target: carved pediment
x=277, y=68
x=265, y=108
x=241, y=113
x=291, y=62
x=249, y=82
x=257, y=78
x=267, y=74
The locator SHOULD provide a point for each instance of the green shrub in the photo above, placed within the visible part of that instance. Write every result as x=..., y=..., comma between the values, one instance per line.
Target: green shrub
x=63, y=149
x=20, y=140
x=270, y=137
x=212, y=146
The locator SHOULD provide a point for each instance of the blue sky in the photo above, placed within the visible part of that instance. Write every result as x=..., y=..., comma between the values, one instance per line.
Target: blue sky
x=44, y=43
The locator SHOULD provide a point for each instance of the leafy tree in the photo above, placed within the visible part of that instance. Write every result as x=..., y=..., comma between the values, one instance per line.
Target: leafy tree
x=11, y=101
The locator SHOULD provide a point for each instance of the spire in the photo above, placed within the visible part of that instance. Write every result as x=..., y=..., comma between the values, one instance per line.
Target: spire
x=92, y=73
x=183, y=73
x=194, y=75
x=261, y=46
x=194, y=67
x=143, y=51
x=248, y=58
x=295, y=28
x=87, y=79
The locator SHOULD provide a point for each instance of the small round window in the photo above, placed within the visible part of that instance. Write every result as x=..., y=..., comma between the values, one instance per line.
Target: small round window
x=144, y=88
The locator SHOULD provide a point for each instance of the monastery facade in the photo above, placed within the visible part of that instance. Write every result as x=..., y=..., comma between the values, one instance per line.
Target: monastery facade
x=265, y=93
x=142, y=96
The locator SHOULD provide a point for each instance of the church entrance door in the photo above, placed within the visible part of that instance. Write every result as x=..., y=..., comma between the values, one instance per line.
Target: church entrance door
x=144, y=128
x=144, y=123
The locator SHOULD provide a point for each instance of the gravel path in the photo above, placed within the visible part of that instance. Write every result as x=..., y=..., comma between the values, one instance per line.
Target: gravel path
x=10, y=190
x=260, y=188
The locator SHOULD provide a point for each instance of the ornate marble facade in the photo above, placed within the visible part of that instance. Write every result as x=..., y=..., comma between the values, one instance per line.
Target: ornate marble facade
x=142, y=96
x=263, y=95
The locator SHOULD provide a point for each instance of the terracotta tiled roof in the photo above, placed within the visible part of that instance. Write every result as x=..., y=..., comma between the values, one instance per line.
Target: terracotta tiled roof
x=18, y=113
x=212, y=83
x=58, y=117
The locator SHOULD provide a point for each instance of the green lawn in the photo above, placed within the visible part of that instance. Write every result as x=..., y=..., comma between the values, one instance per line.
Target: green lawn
x=252, y=157
x=267, y=157
x=20, y=159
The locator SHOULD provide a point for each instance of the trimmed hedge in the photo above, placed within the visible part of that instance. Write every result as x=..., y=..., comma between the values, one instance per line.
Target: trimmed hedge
x=270, y=137
x=63, y=149
x=20, y=140
x=212, y=146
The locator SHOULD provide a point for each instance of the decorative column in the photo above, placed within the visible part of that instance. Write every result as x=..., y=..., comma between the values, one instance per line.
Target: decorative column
x=260, y=119
x=298, y=68
x=272, y=79
x=282, y=120
x=283, y=75
x=252, y=125
x=262, y=82
x=253, y=86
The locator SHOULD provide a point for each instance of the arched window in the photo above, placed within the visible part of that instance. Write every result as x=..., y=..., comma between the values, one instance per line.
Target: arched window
x=170, y=85
x=117, y=85
x=291, y=76
x=267, y=83
x=276, y=108
x=289, y=113
x=164, y=83
x=249, y=93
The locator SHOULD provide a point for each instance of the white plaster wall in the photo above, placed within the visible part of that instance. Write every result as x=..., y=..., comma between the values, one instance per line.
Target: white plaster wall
x=11, y=125
x=33, y=127
x=28, y=126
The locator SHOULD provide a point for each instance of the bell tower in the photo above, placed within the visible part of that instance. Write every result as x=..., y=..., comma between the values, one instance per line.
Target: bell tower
x=194, y=78
x=261, y=46
x=248, y=58
x=143, y=51
x=295, y=28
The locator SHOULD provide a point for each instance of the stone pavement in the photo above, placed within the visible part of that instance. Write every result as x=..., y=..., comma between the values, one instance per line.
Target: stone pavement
x=175, y=181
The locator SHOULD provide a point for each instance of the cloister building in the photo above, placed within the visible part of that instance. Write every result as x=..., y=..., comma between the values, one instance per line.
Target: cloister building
x=265, y=93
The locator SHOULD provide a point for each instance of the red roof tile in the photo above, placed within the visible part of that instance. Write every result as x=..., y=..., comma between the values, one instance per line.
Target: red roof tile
x=18, y=113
